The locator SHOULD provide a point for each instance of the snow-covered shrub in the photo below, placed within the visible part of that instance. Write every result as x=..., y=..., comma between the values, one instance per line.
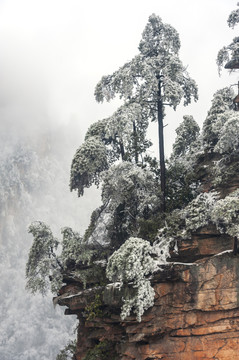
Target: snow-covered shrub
x=227, y=130
x=221, y=103
x=131, y=185
x=74, y=249
x=49, y=259
x=98, y=130
x=225, y=169
x=89, y=161
x=42, y=261
x=187, y=133
x=225, y=214
x=198, y=213
x=207, y=209
x=229, y=134
x=131, y=266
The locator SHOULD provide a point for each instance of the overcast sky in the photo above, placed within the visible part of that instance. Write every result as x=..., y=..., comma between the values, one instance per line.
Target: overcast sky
x=53, y=52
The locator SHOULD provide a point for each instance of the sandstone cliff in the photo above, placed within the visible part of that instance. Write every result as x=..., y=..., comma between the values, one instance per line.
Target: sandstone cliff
x=195, y=315
x=196, y=309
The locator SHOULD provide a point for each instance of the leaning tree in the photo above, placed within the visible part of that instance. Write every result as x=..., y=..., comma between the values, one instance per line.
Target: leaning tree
x=154, y=78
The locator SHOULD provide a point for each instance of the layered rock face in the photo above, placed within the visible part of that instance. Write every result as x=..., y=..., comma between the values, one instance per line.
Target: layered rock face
x=196, y=308
x=195, y=315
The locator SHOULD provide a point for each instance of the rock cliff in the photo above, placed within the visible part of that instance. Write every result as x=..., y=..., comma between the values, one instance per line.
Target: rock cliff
x=195, y=315
x=196, y=308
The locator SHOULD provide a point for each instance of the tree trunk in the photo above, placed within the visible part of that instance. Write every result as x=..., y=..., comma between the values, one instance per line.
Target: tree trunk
x=161, y=144
x=122, y=151
x=136, y=155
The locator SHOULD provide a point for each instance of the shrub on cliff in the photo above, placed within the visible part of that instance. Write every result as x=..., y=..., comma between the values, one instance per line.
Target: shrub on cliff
x=49, y=258
x=131, y=265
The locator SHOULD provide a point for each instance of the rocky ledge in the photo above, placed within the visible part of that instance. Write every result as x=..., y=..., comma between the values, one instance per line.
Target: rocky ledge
x=195, y=314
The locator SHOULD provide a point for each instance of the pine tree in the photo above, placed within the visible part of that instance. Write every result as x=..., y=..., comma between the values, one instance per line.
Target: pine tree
x=153, y=78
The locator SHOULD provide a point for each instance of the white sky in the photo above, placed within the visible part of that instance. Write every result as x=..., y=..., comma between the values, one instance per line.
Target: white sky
x=53, y=52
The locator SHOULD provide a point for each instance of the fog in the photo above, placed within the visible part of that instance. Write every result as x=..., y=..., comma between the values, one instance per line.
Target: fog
x=52, y=54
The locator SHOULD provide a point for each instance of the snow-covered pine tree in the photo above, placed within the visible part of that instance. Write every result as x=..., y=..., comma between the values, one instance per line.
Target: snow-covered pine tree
x=154, y=77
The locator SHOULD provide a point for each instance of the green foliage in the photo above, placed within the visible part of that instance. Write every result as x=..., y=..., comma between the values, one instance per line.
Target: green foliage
x=94, y=309
x=102, y=351
x=68, y=353
x=148, y=228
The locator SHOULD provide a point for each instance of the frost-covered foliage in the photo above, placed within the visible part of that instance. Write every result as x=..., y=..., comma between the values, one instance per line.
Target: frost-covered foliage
x=29, y=187
x=129, y=185
x=46, y=264
x=224, y=131
x=131, y=265
x=98, y=130
x=187, y=133
x=129, y=194
x=128, y=126
x=231, y=51
x=225, y=214
x=205, y=209
x=74, y=249
x=155, y=76
x=89, y=161
x=198, y=213
x=228, y=137
x=42, y=262
x=137, y=80
x=233, y=18
x=121, y=135
x=221, y=103
x=21, y=173
x=182, y=183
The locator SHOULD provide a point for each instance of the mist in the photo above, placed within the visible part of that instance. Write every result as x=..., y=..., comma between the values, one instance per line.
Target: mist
x=52, y=55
